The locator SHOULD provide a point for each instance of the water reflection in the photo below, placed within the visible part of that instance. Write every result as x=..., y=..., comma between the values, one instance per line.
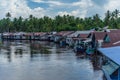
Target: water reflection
x=18, y=49
x=35, y=60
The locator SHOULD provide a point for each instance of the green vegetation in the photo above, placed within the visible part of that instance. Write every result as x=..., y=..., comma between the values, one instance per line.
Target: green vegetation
x=59, y=23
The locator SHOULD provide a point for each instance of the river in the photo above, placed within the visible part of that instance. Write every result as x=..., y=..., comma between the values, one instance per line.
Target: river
x=36, y=60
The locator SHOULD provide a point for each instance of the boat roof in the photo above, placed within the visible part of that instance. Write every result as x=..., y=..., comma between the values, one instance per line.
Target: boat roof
x=112, y=53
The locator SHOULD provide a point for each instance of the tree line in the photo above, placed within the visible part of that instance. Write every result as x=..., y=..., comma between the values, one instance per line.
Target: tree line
x=59, y=23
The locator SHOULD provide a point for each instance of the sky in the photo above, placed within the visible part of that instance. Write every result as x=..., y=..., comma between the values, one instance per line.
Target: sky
x=52, y=8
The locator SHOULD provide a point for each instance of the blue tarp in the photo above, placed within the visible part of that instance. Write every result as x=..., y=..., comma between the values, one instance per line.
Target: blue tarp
x=113, y=53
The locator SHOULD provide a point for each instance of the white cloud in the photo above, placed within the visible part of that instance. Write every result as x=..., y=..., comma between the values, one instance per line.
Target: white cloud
x=38, y=12
x=81, y=8
x=79, y=13
x=19, y=8
x=38, y=1
x=83, y=3
x=50, y=2
x=56, y=3
x=76, y=13
x=78, y=9
x=112, y=5
x=3, y=7
x=63, y=13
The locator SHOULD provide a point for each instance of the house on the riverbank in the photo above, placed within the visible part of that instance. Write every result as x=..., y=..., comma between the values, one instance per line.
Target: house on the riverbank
x=76, y=37
x=108, y=53
x=109, y=60
x=51, y=36
x=41, y=36
x=25, y=36
x=61, y=35
x=78, y=40
x=13, y=36
x=106, y=39
x=101, y=39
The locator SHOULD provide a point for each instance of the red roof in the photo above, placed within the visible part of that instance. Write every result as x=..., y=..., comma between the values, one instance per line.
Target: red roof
x=28, y=34
x=114, y=36
x=83, y=35
x=99, y=35
x=39, y=33
x=64, y=33
x=36, y=34
x=115, y=30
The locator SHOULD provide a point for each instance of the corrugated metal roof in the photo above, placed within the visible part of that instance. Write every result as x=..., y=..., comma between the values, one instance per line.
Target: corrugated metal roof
x=99, y=35
x=114, y=37
x=64, y=33
x=112, y=53
x=83, y=35
x=75, y=34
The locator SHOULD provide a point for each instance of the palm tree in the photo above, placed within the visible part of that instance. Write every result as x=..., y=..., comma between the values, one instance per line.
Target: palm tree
x=116, y=13
x=8, y=15
x=8, y=22
x=31, y=16
x=107, y=18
